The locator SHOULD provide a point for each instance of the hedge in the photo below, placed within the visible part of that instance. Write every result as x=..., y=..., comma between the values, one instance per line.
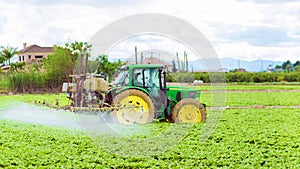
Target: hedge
x=257, y=77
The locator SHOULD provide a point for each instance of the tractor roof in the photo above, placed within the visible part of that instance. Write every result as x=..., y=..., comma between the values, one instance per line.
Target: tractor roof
x=142, y=66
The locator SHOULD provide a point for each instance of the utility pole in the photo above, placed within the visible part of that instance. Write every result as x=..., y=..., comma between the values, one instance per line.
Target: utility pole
x=178, y=62
x=186, y=61
x=152, y=57
x=183, y=63
x=159, y=58
x=135, y=49
x=142, y=57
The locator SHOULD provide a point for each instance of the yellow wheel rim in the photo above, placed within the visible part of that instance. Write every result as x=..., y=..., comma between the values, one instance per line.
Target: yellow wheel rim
x=139, y=114
x=189, y=114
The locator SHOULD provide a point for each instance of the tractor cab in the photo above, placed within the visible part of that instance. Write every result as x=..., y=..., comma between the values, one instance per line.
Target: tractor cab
x=149, y=79
x=141, y=76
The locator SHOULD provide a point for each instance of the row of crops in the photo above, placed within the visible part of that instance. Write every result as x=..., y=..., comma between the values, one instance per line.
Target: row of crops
x=243, y=138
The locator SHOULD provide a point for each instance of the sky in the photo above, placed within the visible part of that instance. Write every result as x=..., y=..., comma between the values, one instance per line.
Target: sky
x=241, y=29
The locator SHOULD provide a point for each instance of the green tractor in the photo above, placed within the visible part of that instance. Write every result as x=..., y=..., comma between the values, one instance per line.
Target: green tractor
x=139, y=94
x=144, y=88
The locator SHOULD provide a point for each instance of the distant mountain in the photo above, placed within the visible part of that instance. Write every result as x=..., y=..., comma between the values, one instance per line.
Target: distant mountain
x=230, y=64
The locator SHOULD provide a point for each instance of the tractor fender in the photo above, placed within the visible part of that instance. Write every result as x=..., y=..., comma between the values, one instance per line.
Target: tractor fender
x=131, y=87
x=115, y=91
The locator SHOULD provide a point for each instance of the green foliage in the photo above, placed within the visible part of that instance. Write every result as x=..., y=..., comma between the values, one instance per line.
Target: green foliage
x=16, y=67
x=7, y=53
x=57, y=68
x=249, y=98
x=4, y=83
x=297, y=63
x=253, y=138
x=31, y=98
x=244, y=138
x=183, y=77
x=204, y=76
x=258, y=77
x=29, y=82
x=288, y=66
x=251, y=87
x=60, y=65
x=106, y=66
x=297, y=68
x=2, y=60
x=75, y=48
x=292, y=77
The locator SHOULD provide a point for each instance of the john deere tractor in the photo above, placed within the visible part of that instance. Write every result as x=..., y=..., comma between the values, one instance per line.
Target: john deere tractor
x=144, y=87
x=139, y=94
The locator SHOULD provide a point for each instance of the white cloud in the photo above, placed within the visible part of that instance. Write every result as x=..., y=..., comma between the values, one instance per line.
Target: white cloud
x=60, y=22
x=244, y=51
x=150, y=42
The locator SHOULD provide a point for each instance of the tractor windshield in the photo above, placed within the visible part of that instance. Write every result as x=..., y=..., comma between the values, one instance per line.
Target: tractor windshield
x=122, y=77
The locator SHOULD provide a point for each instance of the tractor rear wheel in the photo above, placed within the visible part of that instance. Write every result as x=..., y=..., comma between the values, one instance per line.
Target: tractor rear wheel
x=188, y=111
x=135, y=106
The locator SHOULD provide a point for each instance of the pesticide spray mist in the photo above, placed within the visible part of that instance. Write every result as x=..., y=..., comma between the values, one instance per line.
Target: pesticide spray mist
x=24, y=112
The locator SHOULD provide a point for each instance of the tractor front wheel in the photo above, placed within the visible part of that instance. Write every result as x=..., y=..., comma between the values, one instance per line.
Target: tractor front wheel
x=188, y=111
x=134, y=106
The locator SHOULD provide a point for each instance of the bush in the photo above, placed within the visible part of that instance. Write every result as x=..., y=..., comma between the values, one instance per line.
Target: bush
x=183, y=77
x=32, y=82
x=292, y=77
x=239, y=77
x=4, y=83
x=258, y=77
x=265, y=77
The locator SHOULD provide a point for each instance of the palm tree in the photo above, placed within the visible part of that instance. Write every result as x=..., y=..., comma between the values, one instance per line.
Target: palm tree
x=8, y=52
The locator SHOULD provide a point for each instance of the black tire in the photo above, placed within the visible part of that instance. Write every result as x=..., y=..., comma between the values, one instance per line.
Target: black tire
x=142, y=114
x=181, y=114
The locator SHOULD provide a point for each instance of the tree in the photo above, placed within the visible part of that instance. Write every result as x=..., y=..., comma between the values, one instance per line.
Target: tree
x=7, y=53
x=297, y=68
x=285, y=64
x=297, y=63
x=278, y=67
x=75, y=48
x=107, y=67
x=60, y=64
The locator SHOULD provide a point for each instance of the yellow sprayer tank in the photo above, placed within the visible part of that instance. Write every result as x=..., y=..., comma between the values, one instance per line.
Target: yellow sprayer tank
x=96, y=84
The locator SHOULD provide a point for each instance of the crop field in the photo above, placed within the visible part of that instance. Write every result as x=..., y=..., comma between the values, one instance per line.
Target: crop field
x=253, y=86
x=257, y=98
x=243, y=138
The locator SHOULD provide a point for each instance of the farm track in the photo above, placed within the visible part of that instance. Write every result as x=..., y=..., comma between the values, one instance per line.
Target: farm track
x=254, y=91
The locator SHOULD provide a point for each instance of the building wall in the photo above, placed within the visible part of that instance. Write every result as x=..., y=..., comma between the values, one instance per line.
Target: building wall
x=28, y=57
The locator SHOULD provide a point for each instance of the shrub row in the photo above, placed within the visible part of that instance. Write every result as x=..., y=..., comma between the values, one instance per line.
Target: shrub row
x=257, y=77
x=32, y=82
